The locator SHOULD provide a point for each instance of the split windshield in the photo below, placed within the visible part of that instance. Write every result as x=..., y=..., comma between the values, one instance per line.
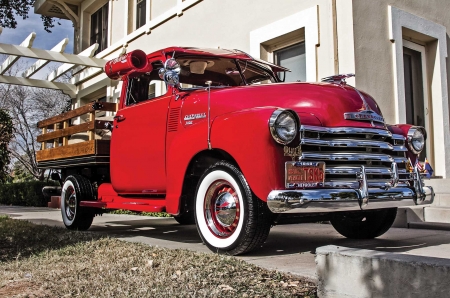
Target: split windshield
x=196, y=71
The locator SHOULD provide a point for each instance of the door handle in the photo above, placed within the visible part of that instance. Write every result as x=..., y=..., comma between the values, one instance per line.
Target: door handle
x=119, y=118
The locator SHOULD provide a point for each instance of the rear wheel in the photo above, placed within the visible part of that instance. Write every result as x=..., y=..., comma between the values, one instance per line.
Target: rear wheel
x=75, y=189
x=230, y=218
x=364, y=224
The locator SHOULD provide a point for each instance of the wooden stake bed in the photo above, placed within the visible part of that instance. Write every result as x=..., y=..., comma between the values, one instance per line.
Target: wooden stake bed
x=56, y=150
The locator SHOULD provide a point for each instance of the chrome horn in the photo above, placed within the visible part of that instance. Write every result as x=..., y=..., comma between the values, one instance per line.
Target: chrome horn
x=170, y=72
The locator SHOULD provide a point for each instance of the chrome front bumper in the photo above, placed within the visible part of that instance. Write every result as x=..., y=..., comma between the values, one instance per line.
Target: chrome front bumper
x=364, y=198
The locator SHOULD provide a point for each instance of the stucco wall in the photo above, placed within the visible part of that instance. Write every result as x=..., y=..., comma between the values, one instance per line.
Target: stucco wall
x=227, y=24
x=373, y=49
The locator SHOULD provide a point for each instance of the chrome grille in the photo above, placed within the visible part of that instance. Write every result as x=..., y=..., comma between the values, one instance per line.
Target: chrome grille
x=345, y=149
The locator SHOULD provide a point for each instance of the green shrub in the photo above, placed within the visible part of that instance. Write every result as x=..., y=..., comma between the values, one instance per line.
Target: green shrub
x=128, y=212
x=24, y=194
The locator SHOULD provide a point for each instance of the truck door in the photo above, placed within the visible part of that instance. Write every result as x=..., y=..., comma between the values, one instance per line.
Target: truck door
x=137, y=161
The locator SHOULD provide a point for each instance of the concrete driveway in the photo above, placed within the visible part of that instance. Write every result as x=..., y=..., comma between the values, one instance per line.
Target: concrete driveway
x=289, y=248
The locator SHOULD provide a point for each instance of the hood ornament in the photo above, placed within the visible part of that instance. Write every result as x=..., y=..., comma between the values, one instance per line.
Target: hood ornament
x=365, y=113
x=338, y=79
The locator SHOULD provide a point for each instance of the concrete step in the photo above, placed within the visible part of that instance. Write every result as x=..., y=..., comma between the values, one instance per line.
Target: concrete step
x=409, y=214
x=442, y=199
x=437, y=214
x=429, y=226
x=439, y=185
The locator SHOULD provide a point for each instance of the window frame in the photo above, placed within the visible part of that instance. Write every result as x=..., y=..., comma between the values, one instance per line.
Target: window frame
x=103, y=30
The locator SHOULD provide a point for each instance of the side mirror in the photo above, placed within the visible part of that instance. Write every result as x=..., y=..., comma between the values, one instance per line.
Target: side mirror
x=170, y=73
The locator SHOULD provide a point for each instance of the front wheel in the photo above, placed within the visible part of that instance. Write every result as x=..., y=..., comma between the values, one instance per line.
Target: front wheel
x=364, y=224
x=230, y=218
x=76, y=188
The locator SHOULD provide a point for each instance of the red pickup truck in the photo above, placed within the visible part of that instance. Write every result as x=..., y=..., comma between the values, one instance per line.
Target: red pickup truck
x=230, y=147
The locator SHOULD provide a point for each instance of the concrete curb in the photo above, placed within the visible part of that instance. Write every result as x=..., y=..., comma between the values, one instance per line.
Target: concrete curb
x=350, y=272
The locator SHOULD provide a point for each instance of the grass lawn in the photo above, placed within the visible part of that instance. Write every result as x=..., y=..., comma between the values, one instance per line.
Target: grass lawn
x=43, y=261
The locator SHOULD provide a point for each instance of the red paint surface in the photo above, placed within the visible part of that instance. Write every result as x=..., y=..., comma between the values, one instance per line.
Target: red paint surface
x=153, y=146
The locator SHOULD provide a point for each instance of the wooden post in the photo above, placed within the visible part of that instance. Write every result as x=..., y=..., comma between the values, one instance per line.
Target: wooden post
x=65, y=139
x=44, y=131
x=55, y=141
x=91, y=133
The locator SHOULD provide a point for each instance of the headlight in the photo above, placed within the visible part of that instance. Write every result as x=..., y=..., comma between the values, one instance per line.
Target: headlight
x=283, y=125
x=416, y=139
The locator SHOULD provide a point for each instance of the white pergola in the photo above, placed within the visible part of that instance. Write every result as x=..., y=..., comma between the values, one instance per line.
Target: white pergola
x=83, y=66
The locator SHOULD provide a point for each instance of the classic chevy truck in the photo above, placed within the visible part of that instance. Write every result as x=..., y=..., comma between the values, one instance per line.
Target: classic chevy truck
x=233, y=149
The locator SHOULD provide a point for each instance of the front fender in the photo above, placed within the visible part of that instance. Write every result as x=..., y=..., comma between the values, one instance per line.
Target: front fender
x=245, y=136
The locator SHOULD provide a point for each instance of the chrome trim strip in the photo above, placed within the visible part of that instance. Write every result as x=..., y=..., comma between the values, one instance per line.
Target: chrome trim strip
x=334, y=200
x=350, y=170
x=398, y=159
x=398, y=137
x=347, y=143
x=346, y=156
x=372, y=183
x=400, y=148
x=346, y=130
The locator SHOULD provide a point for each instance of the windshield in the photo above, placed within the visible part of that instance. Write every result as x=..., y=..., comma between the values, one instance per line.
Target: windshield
x=222, y=72
x=255, y=73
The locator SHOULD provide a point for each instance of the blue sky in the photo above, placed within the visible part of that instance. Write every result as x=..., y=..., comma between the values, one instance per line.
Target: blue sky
x=43, y=39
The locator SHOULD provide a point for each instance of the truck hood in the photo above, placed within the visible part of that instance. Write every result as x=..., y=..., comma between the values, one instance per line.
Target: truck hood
x=316, y=103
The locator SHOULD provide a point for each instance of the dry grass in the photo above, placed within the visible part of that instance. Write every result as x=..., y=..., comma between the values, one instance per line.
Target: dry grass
x=41, y=261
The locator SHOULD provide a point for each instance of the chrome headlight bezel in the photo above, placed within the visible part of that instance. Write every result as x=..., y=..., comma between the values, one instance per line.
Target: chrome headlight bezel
x=412, y=139
x=275, y=118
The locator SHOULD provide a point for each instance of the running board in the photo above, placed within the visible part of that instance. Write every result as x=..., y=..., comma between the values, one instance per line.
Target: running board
x=129, y=205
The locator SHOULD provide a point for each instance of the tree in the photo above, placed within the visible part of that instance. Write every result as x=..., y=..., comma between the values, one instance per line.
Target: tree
x=10, y=9
x=28, y=106
x=6, y=134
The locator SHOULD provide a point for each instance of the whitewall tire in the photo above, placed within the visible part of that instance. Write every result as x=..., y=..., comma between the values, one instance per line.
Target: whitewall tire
x=75, y=189
x=229, y=218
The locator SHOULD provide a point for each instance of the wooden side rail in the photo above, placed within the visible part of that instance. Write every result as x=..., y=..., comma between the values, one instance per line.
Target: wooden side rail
x=57, y=130
x=89, y=108
x=65, y=132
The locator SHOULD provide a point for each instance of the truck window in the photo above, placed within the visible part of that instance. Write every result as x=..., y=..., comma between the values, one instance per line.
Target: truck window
x=145, y=86
x=195, y=71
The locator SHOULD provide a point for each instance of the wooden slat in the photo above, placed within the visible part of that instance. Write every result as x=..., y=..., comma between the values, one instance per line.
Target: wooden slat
x=66, y=131
x=65, y=141
x=107, y=106
x=56, y=141
x=91, y=134
x=65, y=116
x=44, y=130
x=78, y=149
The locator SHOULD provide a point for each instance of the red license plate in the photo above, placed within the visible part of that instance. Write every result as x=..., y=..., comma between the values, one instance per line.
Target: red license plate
x=304, y=174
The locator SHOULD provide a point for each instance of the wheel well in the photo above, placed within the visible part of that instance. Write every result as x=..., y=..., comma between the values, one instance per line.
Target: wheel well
x=197, y=166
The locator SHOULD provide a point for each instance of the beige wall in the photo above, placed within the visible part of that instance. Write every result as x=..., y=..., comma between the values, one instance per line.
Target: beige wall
x=227, y=24
x=158, y=7
x=373, y=49
x=353, y=36
x=379, y=64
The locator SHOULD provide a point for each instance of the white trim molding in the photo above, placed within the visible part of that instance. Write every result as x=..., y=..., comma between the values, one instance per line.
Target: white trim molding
x=399, y=19
x=307, y=19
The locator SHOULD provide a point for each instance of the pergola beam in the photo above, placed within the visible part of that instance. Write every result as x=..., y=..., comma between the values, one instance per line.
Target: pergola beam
x=49, y=55
x=27, y=43
x=89, y=52
x=60, y=47
x=68, y=89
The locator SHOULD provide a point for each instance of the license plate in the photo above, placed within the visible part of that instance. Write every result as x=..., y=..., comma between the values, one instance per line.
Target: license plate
x=304, y=174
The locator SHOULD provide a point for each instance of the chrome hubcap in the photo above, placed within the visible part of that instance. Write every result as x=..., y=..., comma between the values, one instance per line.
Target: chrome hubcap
x=222, y=210
x=70, y=203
